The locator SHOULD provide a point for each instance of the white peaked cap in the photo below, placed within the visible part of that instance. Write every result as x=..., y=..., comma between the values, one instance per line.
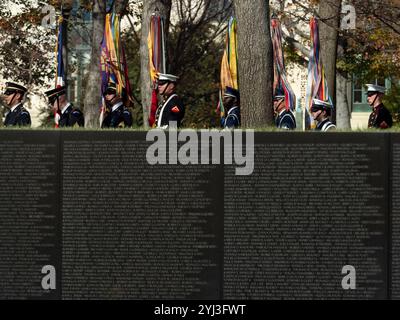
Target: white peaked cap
x=375, y=88
x=167, y=77
x=322, y=103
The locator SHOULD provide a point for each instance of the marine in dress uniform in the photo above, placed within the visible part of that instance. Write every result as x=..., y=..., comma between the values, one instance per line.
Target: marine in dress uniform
x=13, y=97
x=232, y=105
x=321, y=111
x=117, y=114
x=66, y=114
x=284, y=118
x=380, y=117
x=171, y=111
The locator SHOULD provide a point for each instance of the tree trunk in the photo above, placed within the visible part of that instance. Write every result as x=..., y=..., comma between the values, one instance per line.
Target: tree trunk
x=120, y=7
x=149, y=7
x=92, y=94
x=343, y=105
x=255, y=62
x=329, y=12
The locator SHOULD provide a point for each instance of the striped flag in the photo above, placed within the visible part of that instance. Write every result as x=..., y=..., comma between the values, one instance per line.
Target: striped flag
x=157, y=58
x=113, y=66
x=317, y=87
x=229, y=64
x=281, y=82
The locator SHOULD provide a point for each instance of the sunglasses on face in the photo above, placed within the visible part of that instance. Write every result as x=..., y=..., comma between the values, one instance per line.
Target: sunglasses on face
x=315, y=109
x=162, y=82
x=9, y=92
x=110, y=92
x=370, y=94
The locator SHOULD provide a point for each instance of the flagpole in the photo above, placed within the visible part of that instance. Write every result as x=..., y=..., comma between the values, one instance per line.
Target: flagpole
x=64, y=26
x=163, y=49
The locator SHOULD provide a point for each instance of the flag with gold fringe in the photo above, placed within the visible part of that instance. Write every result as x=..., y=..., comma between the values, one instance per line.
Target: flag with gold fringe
x=157, y=58
x=113, y=66
x=281, y=83
x=229, y=64
x=317, y=87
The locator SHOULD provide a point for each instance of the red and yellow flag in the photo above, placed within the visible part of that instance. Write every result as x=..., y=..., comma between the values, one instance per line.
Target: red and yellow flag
x=229, y=64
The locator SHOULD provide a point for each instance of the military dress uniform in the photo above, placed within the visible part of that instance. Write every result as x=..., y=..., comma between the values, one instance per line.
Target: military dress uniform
x=71, y=117
x=232, y=119
x=170, y=110
x=286, y=120
x=118, y=116
x=18, y=115
x=380, y=118
x=325, y=125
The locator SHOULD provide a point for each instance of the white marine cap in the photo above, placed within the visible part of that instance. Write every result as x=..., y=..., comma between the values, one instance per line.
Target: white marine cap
x=375, y=88
x=167, y=77
x=317, y=102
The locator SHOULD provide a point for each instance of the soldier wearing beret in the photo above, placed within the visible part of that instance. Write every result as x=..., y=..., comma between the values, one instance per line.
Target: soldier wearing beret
x=284, y=118
x=171, y=111
x=231, y=103
x=17, y=114
x=117, y=114
x=380, y=117
x=65, y=113
x=321, y=111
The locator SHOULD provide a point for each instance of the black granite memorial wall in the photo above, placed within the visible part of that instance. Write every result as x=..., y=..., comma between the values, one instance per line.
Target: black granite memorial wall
x=83, y=215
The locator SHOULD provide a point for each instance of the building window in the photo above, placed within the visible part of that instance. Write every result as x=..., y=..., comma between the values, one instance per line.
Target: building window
x=357, y=92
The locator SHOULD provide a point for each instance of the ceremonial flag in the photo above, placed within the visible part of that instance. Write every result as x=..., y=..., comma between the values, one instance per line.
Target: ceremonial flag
x=280, y=78
x=157, y=59
x=317, y=87
x=113, y=66
x=229, y=64
x=60, y=74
